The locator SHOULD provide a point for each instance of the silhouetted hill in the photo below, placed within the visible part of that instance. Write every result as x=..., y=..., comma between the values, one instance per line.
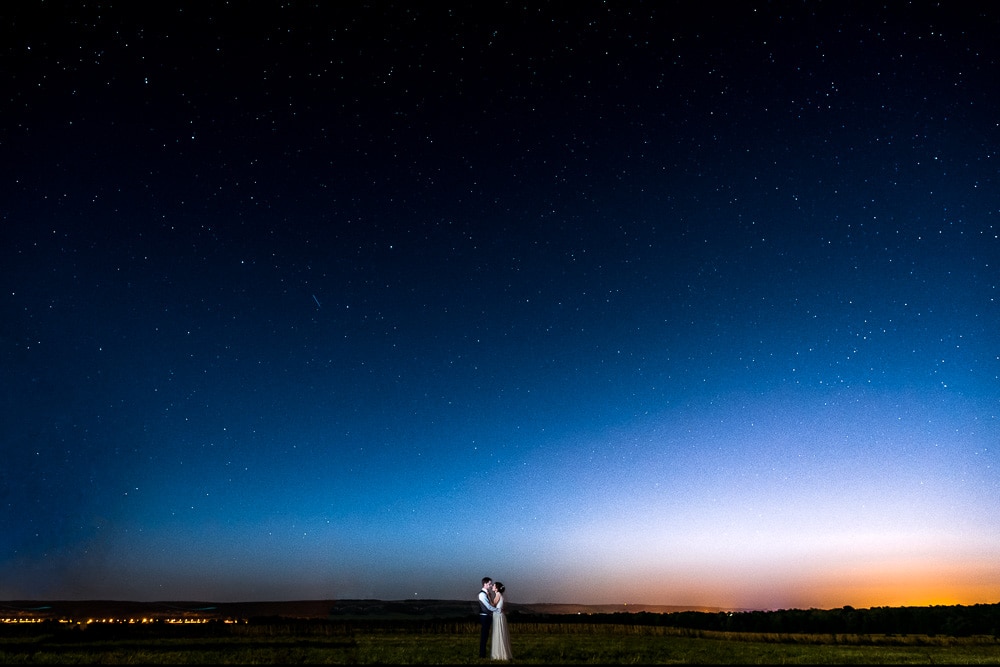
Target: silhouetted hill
x=956, y=620
x=448, y=608
x=82, y=610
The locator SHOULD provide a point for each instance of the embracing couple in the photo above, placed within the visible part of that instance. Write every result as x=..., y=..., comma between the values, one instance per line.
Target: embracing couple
x=491, y=616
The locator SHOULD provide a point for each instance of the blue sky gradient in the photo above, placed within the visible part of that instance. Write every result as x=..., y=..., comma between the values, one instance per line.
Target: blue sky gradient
x=618, y=303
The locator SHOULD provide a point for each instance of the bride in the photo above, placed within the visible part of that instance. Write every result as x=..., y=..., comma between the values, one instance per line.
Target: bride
x=500, y=644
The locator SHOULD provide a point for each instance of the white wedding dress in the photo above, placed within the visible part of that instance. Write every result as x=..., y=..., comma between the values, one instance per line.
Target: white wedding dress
x=500, y=644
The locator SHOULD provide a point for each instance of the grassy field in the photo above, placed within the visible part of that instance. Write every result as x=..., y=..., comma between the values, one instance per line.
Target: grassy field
x=457, y=643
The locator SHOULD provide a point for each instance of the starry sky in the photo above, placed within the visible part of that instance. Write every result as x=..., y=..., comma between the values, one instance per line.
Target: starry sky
x=616, y=302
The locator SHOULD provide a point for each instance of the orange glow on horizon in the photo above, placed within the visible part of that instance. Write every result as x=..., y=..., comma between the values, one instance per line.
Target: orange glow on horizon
x=888, y=583
x=909, y=584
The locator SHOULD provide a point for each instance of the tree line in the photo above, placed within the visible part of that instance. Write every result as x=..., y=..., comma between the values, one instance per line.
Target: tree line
x=953, y=621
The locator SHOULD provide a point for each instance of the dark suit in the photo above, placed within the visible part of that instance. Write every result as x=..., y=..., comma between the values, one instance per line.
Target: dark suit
x=485, y=621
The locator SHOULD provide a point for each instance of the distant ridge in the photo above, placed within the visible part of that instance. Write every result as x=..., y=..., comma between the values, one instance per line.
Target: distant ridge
x=83, y=610
x=546, y=608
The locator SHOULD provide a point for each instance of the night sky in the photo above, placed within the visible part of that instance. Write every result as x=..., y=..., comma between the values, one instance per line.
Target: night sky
x=615, y=302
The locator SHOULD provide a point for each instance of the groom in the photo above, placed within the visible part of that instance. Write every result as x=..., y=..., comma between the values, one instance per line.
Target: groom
x=486, y=610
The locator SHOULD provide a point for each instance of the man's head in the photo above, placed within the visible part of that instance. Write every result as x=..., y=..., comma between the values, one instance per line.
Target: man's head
x=487, y=582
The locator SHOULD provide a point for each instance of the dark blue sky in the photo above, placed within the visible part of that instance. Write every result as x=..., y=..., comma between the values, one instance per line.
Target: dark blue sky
x=617, y=302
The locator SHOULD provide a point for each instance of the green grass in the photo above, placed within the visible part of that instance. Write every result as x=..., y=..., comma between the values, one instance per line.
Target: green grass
x=457, y=643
